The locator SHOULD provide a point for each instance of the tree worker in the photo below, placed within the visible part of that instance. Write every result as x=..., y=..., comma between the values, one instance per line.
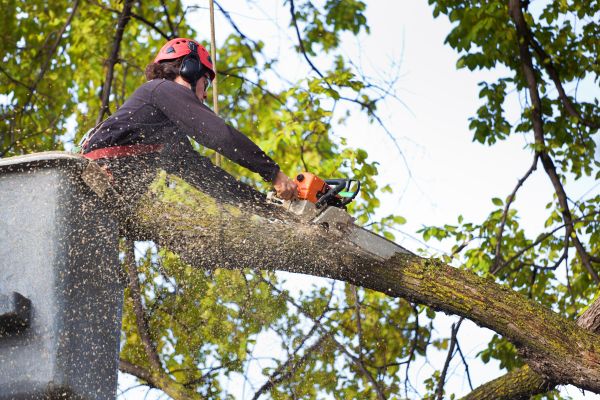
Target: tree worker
x=151, y=129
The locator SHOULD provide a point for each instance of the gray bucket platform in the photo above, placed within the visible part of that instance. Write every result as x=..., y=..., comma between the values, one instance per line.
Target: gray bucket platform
x=60, y=289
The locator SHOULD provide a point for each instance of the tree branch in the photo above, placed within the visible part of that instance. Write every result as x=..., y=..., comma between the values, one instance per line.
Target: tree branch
x=466, y=365
x=511, y=198
x=235, y=27
x=135, y=16
x=540, y=240
x=137, y=371
x=169, y=22
x=114, y=56
x=358, y=320
x=140, y=316
x=453, y=342
x=516, y=14
x=522, y=383
x=370, y=106
x=363, y=369
x=40, y=75
x=55, y=45
x=545, y=60
x=287, y=369
x=301, y=44
x=14, y=80
x=355, y=360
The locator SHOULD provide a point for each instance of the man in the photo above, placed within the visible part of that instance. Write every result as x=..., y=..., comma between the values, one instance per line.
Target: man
x=151, y=129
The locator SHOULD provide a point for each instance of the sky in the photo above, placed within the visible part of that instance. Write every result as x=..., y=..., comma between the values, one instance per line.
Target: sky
x=447, y=175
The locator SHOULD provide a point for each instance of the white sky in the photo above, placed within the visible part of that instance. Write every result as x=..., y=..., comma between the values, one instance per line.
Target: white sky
x=451, y=175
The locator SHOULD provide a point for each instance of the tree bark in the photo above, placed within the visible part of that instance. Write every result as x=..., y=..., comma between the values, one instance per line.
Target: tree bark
x=523, y=383
x=211, y=233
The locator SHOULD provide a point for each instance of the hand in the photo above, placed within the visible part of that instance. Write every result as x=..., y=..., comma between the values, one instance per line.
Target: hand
x=285, y=187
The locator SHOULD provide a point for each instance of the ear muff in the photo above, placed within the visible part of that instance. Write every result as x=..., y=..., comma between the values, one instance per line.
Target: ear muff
x=191, y=68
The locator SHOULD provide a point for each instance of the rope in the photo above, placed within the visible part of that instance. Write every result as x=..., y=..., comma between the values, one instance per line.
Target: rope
x=213, y=55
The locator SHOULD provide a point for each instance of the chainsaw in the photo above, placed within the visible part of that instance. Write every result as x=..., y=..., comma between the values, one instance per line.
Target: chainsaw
x=323, y=202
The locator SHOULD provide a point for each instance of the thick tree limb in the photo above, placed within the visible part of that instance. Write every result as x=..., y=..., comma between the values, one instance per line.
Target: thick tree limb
x=516, y=13
x=234, y=233
x=158, y=381
x=522, y=383
x=137, y=371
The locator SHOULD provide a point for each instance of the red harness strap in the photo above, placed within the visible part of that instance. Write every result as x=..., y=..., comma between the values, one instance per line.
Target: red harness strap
x=124, y=151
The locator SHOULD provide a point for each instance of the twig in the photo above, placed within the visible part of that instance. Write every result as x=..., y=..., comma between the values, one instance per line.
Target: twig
x=538, y=241
x=511, y=198
x=55, y=45
x=358, y=320
x=124, y=18
x=227, y=15
x=14, y=80
x=228, y=73
x=532, y=282
x=341, y=347
x=370, y=107
x=278, y=376
x=412, y=350
x=169, y=22
x=359, y=360
x=440, y=388
x=135, y=16
x=464, y=361
x=361, y=366
x=290, y=367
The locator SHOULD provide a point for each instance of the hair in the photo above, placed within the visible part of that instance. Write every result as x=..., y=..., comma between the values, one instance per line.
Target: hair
x=164, y=70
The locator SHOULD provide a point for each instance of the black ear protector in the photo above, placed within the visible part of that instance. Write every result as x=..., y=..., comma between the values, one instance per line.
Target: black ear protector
x=191, y=68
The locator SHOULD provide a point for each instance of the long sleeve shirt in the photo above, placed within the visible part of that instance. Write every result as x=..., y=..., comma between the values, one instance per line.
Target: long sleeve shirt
x=163, y=111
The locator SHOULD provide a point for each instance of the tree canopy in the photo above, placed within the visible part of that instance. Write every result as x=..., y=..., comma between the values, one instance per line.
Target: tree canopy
x=186, y=332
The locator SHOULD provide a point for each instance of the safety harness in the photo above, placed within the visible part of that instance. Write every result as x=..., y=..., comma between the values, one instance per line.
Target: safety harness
x=123, y=151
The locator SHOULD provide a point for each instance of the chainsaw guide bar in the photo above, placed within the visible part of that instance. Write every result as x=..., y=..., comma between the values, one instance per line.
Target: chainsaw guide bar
x=323, y=203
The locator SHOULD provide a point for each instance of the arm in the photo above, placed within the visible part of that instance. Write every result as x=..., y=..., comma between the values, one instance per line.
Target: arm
x=197, y=121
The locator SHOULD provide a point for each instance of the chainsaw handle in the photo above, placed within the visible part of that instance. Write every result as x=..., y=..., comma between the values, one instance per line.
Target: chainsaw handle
x=354, y=194
x=347, y=183
x=340, y=185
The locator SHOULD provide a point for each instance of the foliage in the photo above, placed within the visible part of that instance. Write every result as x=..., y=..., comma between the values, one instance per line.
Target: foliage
x=562, y=43
x=204, y=326
x=339, y=340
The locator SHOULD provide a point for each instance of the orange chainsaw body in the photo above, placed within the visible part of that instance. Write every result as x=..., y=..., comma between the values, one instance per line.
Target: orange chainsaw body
x=310, y=187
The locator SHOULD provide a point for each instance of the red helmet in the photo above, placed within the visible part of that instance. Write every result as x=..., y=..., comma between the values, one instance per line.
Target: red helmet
x=178, y=47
